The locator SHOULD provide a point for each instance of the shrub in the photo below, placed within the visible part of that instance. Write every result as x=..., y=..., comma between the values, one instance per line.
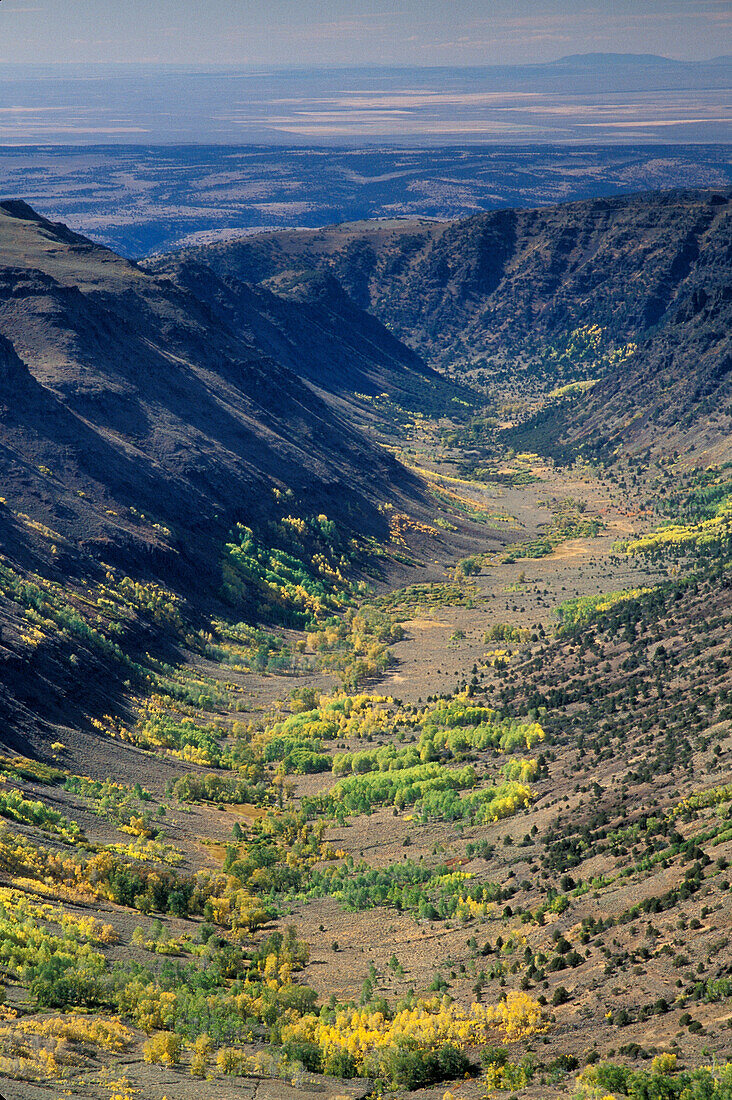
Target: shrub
x=416, y=1069
x=300, y=1050
x=164, y=1048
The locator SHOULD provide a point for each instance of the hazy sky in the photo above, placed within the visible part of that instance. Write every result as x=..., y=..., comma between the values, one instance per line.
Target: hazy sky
x=346, y=32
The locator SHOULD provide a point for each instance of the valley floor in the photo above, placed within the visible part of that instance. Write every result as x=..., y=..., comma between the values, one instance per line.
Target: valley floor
x=603, y=895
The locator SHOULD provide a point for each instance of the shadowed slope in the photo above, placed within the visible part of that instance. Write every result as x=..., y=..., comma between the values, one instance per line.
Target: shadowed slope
x=122, y=389
x=651, y=269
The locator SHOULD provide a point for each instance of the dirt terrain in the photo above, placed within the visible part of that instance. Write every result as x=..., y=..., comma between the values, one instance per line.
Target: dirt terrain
x=444, y=647
x=435, y=806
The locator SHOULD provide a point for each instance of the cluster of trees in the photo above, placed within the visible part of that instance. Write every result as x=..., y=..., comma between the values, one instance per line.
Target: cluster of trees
x=291, y=574
x=248, y=647
x=701, y=527
x=297, y=740
x=664, y=1081
x=303, y=756
x=219, y=788
x=20, y=767
x=409, y=886
x=108, y=874
x=505, y=632
x=506, y=735
x=226, y=992
x=53, y=1046
x=416, y=1045
x=385, y=758
x=114, y=801
x=450, y=729
x=480, y=807
x=406, y=601
x=592, y=609
x=49, y=614
x=356, y=794
x=31, y=811
x=356, y=645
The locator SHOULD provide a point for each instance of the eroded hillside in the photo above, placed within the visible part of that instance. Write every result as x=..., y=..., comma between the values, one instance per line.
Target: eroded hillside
x=499, y=297
x=414, y=775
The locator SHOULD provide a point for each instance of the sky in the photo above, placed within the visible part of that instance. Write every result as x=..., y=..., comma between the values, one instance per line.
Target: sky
x=356, y=32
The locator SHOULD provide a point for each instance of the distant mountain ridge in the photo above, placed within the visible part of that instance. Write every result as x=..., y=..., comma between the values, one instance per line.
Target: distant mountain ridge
x=624, y=59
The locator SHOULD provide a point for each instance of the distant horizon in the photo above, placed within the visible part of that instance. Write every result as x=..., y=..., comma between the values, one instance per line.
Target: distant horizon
x=226, y=66
x=347, y=33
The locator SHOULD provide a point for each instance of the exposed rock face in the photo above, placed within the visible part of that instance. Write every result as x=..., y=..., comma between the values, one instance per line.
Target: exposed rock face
x=653, y=269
